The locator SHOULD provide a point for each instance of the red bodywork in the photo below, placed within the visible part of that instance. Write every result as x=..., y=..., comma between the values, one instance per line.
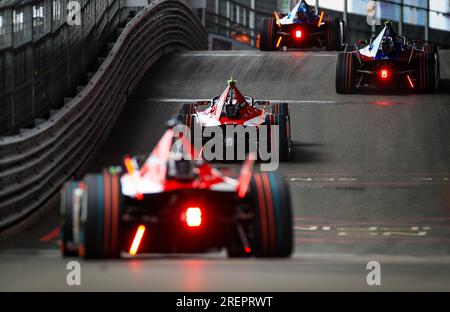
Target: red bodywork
x=246, y=110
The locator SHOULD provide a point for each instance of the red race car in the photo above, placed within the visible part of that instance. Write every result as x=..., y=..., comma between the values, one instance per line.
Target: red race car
x=240, y=124
x=167, y=204
x=388, y=62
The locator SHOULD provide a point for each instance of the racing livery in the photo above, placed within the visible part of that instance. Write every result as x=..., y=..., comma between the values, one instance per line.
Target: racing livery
x=167, y=203
x=231, y=108
x=303, y=27
x=388, y=62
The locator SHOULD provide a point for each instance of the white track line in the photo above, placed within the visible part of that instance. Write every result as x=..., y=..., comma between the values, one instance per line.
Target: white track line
x=293, y=53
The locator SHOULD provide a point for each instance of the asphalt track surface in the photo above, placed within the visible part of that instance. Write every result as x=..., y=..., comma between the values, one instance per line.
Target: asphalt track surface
x=370, y=180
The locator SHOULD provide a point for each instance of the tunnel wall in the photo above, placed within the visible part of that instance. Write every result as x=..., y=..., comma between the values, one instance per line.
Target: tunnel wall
x=35, y=164
x=44, y=54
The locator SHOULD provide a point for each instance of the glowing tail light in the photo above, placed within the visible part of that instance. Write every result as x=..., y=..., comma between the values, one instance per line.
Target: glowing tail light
x=298, y=34
x=279, y=41
x=320, y=20
x=137, y=240
x=410, y=81
x=384, y=74
x=193, y=217
x=277, y=18
x=129, y=165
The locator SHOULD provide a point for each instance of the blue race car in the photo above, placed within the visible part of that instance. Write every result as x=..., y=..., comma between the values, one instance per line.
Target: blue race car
x=303, y=27
x=388, y=62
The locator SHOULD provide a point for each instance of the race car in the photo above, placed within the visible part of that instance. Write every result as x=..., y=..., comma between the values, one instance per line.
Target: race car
x=388, y=62
x=168, y=203
x=303, y=27
x=260, y=130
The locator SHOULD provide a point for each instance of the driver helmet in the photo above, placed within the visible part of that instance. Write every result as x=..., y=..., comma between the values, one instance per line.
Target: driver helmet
x=181, y=169
x=387, y=44
x=231, y=110
x=303, y=8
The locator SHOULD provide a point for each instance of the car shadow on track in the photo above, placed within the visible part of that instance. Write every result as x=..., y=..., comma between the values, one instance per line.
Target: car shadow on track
x=303, y=152
x=443, y=87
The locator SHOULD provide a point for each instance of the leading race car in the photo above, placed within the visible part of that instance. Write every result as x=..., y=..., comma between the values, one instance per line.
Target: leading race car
x=167, y=204
x=231, y=112
x=303, y=27
x=388, y=62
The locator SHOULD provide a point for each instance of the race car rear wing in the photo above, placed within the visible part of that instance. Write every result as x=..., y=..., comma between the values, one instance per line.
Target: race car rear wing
x=201, y=103
x=261, y=102
x=209, y=102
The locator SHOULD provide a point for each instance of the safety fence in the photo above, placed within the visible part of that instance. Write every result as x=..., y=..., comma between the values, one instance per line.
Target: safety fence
x=45, y=47
x=35, y=163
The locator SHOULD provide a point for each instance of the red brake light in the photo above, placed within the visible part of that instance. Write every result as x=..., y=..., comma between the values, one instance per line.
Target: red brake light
x=298, y=34
x=384, y=74
x=193, y=216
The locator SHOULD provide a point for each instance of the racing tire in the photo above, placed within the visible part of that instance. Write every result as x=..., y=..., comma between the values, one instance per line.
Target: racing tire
x=282, y=143
x=272, y=223
x=427, y=73
x=267, y=38
x=102, y=207
x=189, y=122
x=344, y=36
x=280, y=108
x=68, y=246
x=434, y=48
x=333, y=35
x=187, y=109
x=345, y=72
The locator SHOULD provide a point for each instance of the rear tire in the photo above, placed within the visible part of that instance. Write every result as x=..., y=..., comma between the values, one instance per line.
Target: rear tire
x=282, y=143
x=103, y=211
x=333, y=35
x=345, y=72
x=187, y=109
x=267, y=39
x=272, y=223
x=68, y=246
x=280, y=108
x=190, y=122
x=427, y=72
x=434, y=48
